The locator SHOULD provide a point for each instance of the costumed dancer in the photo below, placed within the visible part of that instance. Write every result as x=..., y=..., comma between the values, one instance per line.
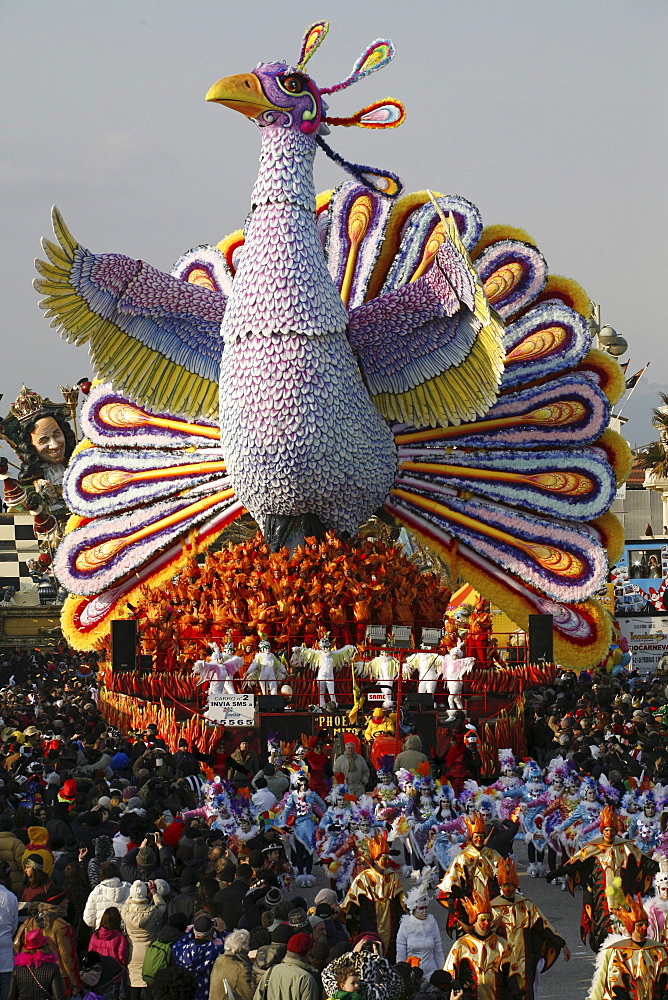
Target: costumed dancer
x=507, y=781
x=425, y=663
x=645, y=827
x=302, y=810
x=632, y=967
x=454, y=667
x=384, y=669
x=419, y=934
x=657, y=905
x=334, y=827
x=472, y=869
x=607, y=868
x=352, y=857
x=534, y=798
x=386, y=793
x=325, y=659
x=556, y=811
x=586, y=814
x=375, y=900
x=265, y=668
x=481, y=958
x=534, y=943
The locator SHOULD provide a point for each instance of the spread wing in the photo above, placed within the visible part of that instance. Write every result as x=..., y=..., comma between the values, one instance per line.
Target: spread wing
x=431, y=350
x=154, y=336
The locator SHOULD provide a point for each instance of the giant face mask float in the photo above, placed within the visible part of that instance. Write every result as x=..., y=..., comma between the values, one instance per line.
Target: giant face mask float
x=363, y=372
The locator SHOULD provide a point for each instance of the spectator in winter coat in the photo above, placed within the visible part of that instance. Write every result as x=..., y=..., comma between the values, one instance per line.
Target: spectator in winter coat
x=51, y=920
x=9, y=919
x=197, y=950
x=356, y=770
x=142, y=915
x=70, y=855
x=230, y=896
x=184, y=901
x=109, y=892
x=36, y=960
x=11, y=851
x=271, y=954
x=109, y=939
x=411, y=755
x=233, y=966
x=159, y=952
x=293, y=978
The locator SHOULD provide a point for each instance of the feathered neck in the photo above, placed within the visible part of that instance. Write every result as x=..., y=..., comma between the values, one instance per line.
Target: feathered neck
x=286, y=169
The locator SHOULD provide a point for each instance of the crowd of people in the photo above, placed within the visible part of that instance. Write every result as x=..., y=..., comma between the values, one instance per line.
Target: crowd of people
x=136, y=866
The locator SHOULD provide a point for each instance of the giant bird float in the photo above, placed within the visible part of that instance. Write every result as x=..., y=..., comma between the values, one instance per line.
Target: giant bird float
x=359, y=349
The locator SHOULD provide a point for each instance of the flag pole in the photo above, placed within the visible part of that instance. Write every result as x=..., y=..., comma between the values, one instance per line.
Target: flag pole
x=633, y=390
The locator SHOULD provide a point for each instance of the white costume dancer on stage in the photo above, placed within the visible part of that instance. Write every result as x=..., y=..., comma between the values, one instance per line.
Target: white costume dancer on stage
x=324, y=659
x=454, y=667
x=426, y=665
x=266, y=669
x=385, y=670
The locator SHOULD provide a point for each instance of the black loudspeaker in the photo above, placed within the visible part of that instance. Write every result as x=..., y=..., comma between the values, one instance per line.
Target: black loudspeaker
x=123, y=645
x=271, y=703
x=541, y=646
x=145, y=663
x=417, y=702
x=288, y=727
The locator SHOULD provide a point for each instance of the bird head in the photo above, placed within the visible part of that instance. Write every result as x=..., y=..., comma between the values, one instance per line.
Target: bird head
x=278, y=95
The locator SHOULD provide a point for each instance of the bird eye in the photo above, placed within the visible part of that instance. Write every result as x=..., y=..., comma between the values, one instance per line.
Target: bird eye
x=293, y=84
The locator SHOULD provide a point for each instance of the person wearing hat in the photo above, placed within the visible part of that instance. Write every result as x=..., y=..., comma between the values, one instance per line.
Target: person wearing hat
x=197, y=950
x=293, y=978
x=36, y=961
x=142, y=914
x=39, y=839
x=36, y=883
x=51, y=919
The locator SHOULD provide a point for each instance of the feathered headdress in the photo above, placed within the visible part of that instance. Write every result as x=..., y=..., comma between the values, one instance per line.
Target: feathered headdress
x=588, y=785
x=506, y=756
x=607, y=818
x=631, y=914
x=507, y=873
x=418, y=894
x=298, y=776
x=479, y=904
x=661, y=877
x=378, y=846
x=475, y=824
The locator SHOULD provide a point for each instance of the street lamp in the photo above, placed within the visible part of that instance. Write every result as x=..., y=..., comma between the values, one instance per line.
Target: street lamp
x=607, y=338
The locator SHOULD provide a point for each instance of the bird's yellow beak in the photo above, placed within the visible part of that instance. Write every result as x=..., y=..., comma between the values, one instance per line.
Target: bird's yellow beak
x=241, y=93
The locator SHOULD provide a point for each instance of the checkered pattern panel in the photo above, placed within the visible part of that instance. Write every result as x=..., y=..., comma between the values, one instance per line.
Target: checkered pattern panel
x=17, y=545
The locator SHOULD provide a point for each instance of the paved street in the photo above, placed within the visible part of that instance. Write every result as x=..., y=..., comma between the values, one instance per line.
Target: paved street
x=565, y=979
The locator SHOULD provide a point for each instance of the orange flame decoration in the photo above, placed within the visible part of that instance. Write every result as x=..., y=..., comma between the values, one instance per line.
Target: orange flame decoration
x=126, y=713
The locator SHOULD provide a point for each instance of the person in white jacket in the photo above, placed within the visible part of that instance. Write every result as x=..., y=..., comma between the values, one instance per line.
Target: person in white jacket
x=419, y=935
x=110, y=892
x=9, y=921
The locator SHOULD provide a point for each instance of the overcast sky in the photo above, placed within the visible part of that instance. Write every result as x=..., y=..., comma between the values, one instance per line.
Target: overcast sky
x=548, y=114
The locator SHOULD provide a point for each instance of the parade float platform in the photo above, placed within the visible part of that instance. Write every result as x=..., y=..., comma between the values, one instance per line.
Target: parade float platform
x=493, y=698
